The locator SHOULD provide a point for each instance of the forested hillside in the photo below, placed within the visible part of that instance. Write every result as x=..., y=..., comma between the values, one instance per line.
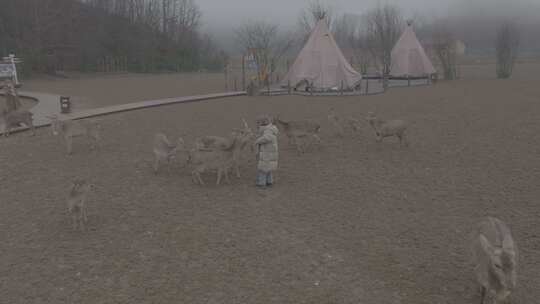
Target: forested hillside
x=107, y=35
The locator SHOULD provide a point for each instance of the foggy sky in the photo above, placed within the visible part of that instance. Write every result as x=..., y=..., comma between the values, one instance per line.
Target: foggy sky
x=221, y=17
x=219, y=13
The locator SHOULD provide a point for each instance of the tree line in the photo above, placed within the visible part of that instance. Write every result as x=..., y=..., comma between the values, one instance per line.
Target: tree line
x=370, y=37
x=85, y=35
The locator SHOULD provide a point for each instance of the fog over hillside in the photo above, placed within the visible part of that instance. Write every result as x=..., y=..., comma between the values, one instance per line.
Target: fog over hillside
x=220, y=18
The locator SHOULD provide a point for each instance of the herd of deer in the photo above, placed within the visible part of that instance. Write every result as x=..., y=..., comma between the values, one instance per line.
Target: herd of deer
x=493, y=248
x=209, y=153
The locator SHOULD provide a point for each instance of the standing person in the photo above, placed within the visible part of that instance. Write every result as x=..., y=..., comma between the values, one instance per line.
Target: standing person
x=267, y=151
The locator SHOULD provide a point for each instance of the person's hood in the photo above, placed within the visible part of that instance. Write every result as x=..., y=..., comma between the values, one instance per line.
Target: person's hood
x=272, y=128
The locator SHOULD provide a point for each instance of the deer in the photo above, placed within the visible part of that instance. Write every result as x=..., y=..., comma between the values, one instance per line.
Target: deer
x=14, y=118
x=388, y=128
x=299, y=130
x=70, y=129
x=164, y=150
x=76, y=203
x=495, y=259
x=243, y=137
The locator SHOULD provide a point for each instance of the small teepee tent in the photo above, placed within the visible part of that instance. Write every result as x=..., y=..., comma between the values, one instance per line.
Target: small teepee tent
x=321, y=63
x=409, y=58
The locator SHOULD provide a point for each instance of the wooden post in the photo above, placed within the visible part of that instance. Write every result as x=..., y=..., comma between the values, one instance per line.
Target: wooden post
x=341, y=90
x=367, y=86
x=243, y=72
x=408, y=80
x=289, y=87
x=235, y=89
x=226, y=79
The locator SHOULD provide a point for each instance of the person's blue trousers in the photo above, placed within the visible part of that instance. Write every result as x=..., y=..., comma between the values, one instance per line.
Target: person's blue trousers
x=264, y=178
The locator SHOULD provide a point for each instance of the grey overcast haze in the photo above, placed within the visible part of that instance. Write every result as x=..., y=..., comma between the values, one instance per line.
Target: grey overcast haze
x=217, y=13
x=231, y=13
x=221, y=17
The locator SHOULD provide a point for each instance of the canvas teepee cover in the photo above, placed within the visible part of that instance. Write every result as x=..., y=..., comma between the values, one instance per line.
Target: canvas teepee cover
x=409, y=57
x=322, y=63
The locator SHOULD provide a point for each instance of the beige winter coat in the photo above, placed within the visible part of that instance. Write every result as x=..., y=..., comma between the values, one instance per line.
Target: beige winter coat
x=267, y=144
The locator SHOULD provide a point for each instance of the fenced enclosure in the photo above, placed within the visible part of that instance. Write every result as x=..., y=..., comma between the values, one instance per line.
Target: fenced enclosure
x=369, y=85
x=239, y=73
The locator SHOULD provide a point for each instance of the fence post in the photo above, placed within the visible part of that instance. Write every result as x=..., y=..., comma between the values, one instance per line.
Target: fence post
x=289, y=87
x=235, y=84
x=341, y=90
x=367, y=86
x=243, y=72
x=226, y=79
x=408, y=80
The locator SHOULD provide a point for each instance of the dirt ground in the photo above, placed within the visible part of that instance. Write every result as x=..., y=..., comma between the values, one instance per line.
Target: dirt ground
x=351, y=222
x=90, y=91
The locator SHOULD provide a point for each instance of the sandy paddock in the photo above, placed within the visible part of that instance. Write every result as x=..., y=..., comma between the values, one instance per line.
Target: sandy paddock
x=354, y=222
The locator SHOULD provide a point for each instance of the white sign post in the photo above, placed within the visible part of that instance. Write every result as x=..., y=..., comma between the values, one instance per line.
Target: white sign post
x=12, y=60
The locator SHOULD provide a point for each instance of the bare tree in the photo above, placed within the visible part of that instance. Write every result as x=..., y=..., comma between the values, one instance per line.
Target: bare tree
x=444, y=47
x=383, y=27
x=344, y=27
x=507, y=44
x=315, y=11
x=361, y=50
x=351, y=36
x=265, y=43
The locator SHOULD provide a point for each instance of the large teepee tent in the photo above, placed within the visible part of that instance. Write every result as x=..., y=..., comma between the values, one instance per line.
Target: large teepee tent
x=409, y=58
x=321, y=63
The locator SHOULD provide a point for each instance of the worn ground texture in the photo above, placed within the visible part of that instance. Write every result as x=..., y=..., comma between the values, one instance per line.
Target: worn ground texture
x=94, y=90
x=351, y=222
